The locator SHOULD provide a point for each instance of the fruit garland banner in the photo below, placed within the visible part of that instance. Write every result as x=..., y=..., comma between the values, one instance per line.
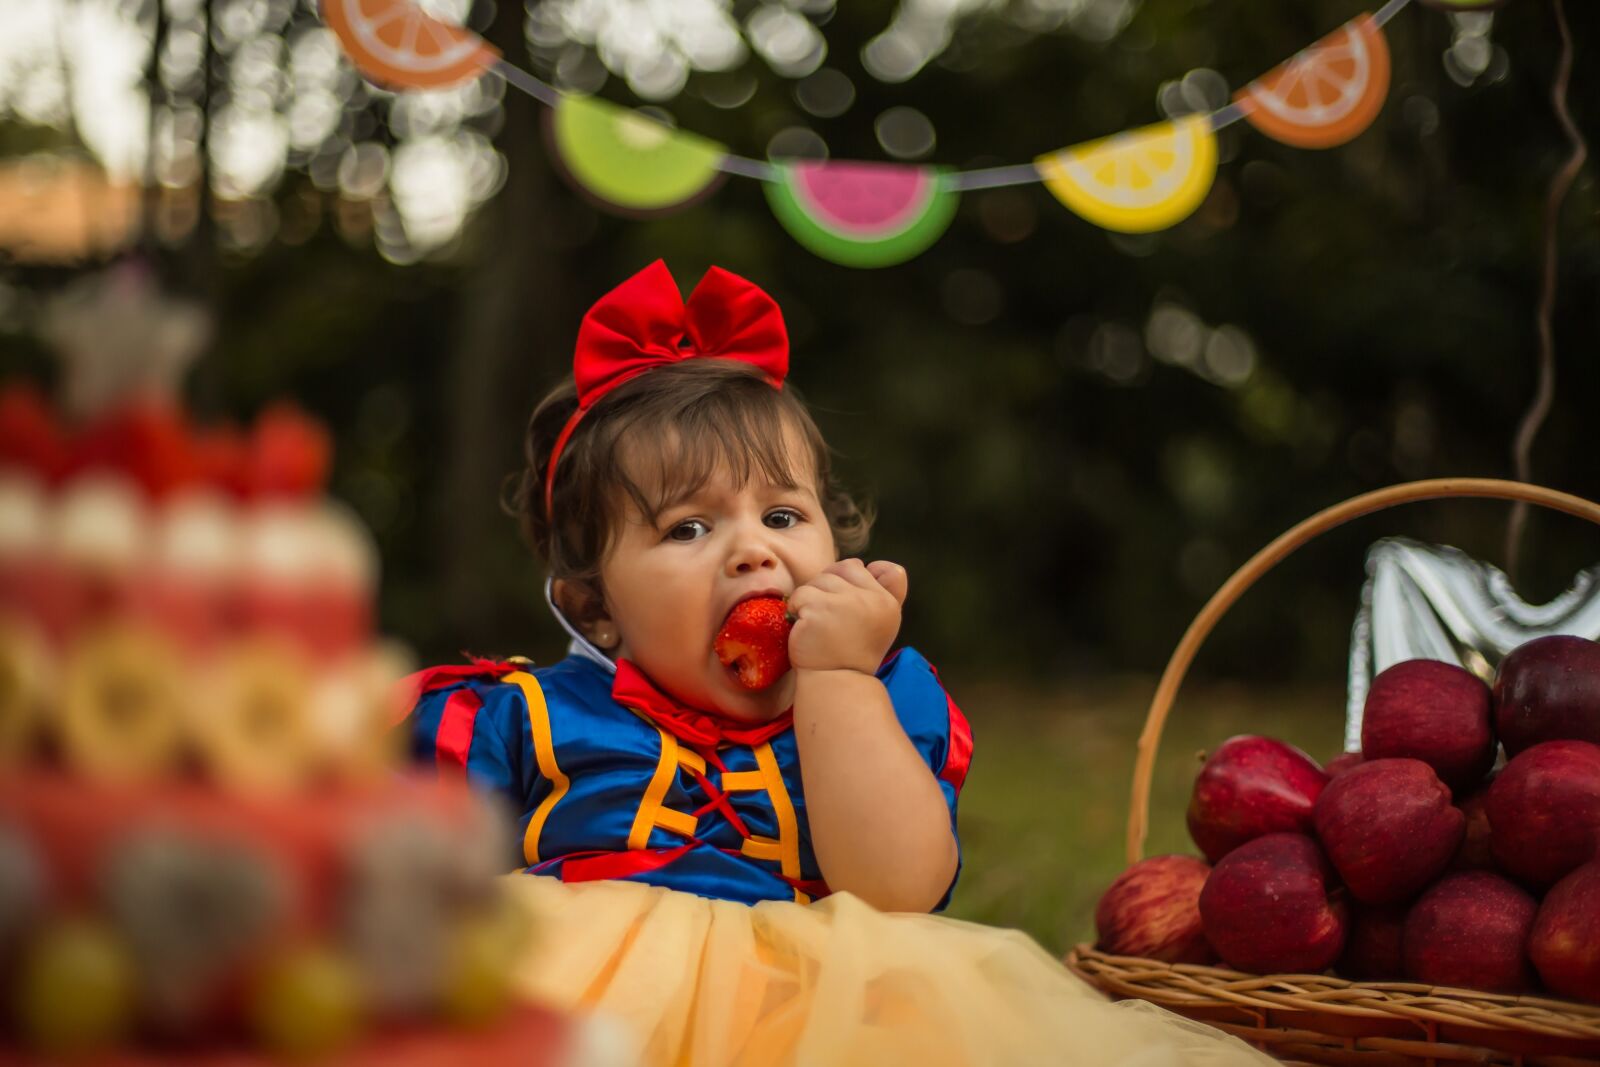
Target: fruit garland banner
x=869, y=214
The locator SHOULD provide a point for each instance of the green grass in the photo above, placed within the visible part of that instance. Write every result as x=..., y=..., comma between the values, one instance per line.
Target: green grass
x=1044, y=812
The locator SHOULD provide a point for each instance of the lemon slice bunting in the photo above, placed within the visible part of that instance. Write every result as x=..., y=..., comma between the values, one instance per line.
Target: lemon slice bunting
x=1136, y=182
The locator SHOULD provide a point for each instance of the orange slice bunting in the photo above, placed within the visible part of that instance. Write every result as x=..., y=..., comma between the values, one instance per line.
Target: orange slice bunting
x=398, y=45
x=1325, y=95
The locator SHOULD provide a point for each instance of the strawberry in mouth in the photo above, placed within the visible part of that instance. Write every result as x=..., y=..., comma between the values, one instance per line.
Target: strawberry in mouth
x=754, y=641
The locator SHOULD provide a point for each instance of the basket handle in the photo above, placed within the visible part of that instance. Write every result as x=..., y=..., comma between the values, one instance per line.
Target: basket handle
x=1265, y=560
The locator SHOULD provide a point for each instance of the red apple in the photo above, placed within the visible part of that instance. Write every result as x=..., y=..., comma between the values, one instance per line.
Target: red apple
x=1372, y=946
x=1266, y=907
x=1548, y=690
x=1475, y=853
x=1565, y=943
x=1432, y=711
x=1471, y=931
x=1252, y=786
x=1544, y=811
x=1153, y=910
x=1343, y=762
x=1389, y=828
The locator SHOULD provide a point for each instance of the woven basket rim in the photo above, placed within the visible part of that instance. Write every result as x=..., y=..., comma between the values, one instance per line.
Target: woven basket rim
x=1192, y=986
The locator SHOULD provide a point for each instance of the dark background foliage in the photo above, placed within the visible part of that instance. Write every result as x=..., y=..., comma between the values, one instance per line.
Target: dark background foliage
x=1063, y=497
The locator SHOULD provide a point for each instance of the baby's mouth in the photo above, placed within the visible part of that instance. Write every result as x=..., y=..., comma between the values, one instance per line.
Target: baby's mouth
x=753, y=644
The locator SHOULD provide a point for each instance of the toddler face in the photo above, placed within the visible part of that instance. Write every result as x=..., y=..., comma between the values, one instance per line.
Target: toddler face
x=670, y=584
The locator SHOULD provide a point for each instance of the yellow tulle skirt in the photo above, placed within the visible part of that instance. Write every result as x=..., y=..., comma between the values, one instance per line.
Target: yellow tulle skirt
x=712, y=983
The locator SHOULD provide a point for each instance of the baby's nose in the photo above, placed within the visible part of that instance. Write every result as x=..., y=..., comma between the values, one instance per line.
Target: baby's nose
x=747, y=562
x=749, y=555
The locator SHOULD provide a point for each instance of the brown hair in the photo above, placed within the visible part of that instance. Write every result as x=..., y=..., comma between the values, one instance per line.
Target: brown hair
x=674, y=426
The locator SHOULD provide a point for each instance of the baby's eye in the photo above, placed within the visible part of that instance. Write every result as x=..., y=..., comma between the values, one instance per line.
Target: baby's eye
x=686, y=530
x=784, y=518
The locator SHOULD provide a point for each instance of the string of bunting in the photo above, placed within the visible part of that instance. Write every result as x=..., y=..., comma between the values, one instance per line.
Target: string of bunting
x=874, y=214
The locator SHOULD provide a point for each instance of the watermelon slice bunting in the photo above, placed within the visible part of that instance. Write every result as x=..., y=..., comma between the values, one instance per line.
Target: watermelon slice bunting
x=630, y=163
x=862, y=214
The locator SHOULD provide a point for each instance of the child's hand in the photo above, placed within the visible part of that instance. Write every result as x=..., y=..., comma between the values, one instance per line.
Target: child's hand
x=847, y=617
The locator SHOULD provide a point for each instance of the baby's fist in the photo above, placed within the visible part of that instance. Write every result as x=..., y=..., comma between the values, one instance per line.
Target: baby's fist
x=847, y=617
x=891, y=576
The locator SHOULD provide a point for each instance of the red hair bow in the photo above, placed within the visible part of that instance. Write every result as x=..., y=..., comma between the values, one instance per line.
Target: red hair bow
x=644, y=323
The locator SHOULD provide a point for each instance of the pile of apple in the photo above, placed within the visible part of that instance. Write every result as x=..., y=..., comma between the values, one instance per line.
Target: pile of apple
x=1417, y=858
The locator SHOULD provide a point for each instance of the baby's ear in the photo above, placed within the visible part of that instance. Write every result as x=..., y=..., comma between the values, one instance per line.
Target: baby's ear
x=579, y=600
x=583, y=603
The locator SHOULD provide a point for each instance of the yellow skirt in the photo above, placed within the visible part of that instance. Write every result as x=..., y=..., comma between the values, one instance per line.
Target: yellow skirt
x=714, y=983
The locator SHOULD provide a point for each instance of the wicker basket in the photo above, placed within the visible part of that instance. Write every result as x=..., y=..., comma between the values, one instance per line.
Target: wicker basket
x=1319, y=1018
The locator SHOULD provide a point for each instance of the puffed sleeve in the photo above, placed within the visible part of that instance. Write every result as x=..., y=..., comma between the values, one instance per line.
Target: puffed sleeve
x=935, y=726
x=477, y=728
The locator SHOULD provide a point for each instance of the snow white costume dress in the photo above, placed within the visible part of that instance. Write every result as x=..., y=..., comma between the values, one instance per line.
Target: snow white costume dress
x=669, y=875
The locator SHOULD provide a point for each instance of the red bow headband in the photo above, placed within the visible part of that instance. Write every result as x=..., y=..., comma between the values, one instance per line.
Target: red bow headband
x=644, y=323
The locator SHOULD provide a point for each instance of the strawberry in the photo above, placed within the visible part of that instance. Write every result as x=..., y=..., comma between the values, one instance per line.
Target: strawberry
x=146, y=438
x=222, y=459
x=754, y=641
x=290, y=453
x=30, y=436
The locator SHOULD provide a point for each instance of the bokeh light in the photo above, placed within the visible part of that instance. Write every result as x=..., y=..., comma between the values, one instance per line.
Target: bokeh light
x=787, y=40
x=905, y=133
x=652, y=44
x=1224, y=355
x=1473, y=56
x=267, y=91
x=826, y=94
x=797, y=142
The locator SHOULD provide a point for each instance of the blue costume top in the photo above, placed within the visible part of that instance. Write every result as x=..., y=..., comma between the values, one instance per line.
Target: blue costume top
x=602, y=791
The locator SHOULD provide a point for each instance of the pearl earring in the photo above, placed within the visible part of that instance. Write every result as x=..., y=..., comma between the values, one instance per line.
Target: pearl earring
x=603, y=636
